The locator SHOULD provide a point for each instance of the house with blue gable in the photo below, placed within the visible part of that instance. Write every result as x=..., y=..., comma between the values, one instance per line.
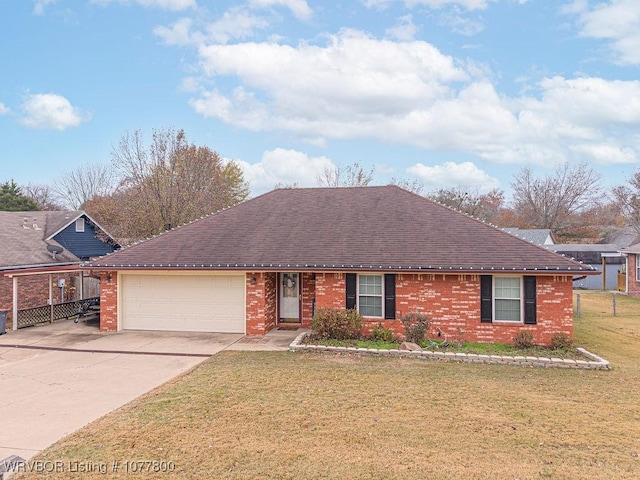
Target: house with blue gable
x=53, y=241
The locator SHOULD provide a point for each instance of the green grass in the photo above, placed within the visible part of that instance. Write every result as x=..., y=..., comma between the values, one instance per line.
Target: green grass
x=441, y=346
x=283, y=415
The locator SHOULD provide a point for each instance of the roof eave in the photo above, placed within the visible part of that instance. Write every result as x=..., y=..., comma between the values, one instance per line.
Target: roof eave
x=345, y=267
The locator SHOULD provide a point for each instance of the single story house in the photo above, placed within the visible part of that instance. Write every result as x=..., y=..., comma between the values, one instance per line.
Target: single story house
x=55, y=241
x=274, y=259
x=632, y=256
x=603, y=257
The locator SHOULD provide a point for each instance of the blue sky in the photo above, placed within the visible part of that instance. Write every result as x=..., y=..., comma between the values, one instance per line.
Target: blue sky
x=446, y=92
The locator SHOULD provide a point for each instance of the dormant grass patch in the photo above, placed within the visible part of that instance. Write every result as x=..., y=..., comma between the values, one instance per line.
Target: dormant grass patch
x=288, y=416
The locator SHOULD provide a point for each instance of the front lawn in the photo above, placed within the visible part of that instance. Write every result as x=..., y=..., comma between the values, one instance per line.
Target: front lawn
x=289, y=416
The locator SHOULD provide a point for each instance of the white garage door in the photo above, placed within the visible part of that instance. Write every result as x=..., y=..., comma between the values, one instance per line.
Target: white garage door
x=190, y=303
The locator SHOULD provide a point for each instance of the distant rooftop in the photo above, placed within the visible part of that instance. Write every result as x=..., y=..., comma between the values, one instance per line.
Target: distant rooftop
x=539, y=236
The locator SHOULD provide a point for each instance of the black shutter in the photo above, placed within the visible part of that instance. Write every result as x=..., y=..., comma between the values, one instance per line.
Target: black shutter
x=486, y=299
x=530, y=300
x=351, y=290
x=390, y=296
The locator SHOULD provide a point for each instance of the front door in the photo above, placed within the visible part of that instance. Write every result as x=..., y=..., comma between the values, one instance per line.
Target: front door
x=289, y=297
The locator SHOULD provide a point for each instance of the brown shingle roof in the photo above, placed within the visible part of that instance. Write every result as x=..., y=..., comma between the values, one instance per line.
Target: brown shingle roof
x=23, y=238
x=382, y=228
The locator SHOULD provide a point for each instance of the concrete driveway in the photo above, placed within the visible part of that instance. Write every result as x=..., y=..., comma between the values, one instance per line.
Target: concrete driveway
x=57, y=378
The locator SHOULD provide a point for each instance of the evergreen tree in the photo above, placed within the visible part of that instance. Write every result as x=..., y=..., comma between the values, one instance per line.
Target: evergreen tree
x=13, y=200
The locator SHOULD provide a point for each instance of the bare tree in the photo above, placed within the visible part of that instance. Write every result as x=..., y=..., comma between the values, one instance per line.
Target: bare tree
x=627, y=198
x=76, y=187
x=169, y=183
x=415, y=186
x=487, y=207
x=43, y=195
x=350, y=176
x=555, y=201
x=286, y=186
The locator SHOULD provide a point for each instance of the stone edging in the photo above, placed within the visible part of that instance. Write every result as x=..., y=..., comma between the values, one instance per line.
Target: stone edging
x=594, y=363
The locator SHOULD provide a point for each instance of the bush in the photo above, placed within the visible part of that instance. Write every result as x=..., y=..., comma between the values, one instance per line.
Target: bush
x=336, y=323
x=561, y=341
x=381, y=334
x=523, y=339
x=416, y=326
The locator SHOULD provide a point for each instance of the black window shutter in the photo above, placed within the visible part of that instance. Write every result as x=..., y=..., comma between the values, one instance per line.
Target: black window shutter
x=486, y=299
x=351, y=290
x=530, y=300
x=390, y=296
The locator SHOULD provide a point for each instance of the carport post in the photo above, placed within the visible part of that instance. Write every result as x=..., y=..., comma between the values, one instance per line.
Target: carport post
x=51, y=297
x=15, y=303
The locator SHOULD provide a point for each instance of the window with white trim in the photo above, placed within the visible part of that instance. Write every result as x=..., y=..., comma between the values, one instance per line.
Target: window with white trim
x=507, y=299
x=80, y=224
x=370, y=295
x=637, y=267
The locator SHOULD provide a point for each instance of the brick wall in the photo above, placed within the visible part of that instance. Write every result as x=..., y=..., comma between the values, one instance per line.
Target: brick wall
x=453, y=304
x=308, y=298
x=330, y=290
x=33, y=291
x=261, y=302
x=633, y=285
x=109, y=302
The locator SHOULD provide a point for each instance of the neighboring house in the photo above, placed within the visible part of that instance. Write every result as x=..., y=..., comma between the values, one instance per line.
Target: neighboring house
x=606, y=258
x=623, y=237
x=632, y=256
x=47, y=240
x=539, y=236
x=385, y=251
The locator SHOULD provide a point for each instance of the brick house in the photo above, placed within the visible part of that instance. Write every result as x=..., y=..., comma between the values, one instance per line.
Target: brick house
x=55, y=241
x=382, y=250
x=632, y=256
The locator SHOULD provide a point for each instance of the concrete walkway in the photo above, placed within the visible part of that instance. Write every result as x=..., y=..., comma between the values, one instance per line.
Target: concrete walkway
x=57, y=378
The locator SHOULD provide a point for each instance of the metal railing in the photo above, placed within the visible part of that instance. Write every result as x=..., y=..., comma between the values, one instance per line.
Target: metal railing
x=28, y=317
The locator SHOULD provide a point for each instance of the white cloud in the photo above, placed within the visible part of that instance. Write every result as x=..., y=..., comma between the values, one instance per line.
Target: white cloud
x=285, y=167
x=299, y=8
x=178, y=34
x=50, y=111
x=607, y=153
x=459, y=23
x=404, y=29
x=235, y=23
x=4, y=109
x=345, y=88
x=617, y=21
x=173, y=5
x=451, y=174
x=40, y=5
x=468, y=4
x=359, y=87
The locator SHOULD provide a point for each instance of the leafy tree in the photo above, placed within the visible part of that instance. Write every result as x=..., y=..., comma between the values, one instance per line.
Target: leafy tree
x=169, y=183
x=627, y=198
x=556, y=200
x=350, y=176
x=13, y=200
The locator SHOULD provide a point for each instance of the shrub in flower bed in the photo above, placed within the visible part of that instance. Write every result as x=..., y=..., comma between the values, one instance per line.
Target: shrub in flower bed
x=335, y=323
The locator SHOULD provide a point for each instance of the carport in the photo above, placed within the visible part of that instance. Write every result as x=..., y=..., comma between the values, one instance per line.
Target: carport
x=53, y=310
